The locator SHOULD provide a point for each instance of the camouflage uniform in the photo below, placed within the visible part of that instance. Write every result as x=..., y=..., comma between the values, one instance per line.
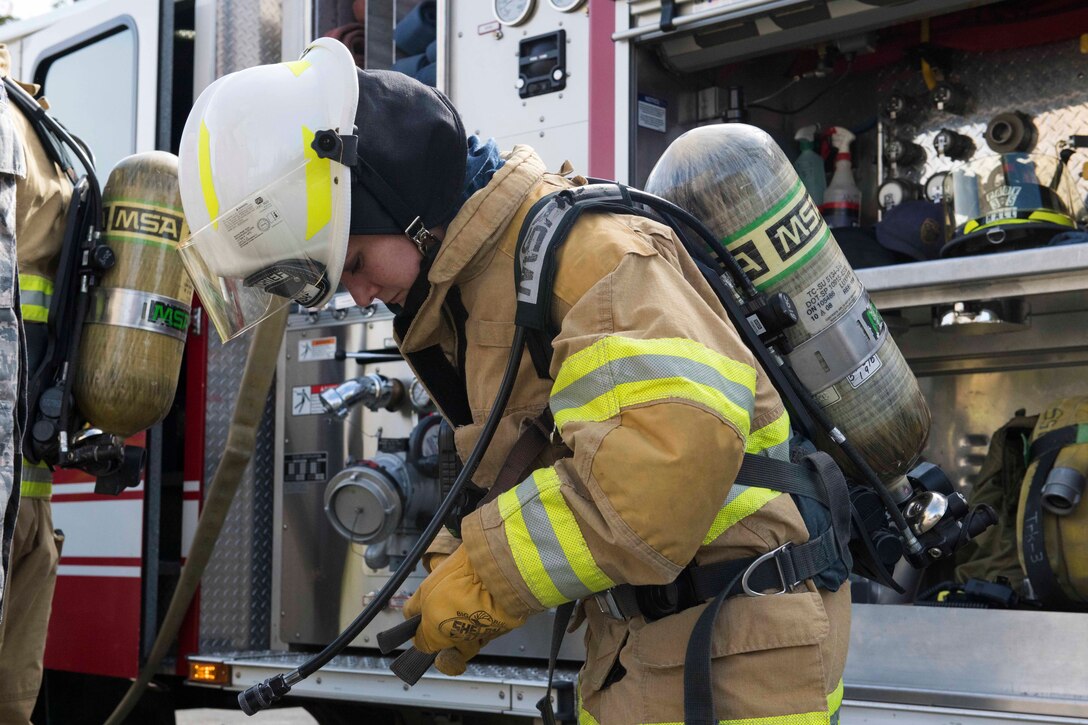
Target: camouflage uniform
x=12, y=351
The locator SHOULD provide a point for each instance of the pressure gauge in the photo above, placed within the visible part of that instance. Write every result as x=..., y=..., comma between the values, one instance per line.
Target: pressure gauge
x=421, y=399
x=894, y=192
x=512, y=12
x=935, y=186
x=566, y=6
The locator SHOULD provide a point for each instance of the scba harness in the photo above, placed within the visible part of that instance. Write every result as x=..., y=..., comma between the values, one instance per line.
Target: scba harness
x=856, y=527
x=816, y=484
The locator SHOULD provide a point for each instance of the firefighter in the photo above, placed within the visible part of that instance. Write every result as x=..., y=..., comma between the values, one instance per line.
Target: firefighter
x=41, y=199
x=655, y=398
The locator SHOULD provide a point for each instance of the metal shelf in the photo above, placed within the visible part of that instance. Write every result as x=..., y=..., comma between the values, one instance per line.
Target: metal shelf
x=988, y=276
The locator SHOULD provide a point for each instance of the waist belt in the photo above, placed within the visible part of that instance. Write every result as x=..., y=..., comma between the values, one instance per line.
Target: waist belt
x=776, y=572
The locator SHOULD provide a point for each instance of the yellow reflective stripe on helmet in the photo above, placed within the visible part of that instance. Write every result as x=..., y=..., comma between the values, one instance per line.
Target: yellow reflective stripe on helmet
x=318, y=186
x=37, y=480
x=298, y=66
x=616, y=372
x=207, y=184
x=1042, y=215
x=828, y=717
x=548, y=547
x=772, y=440
x=35, y=294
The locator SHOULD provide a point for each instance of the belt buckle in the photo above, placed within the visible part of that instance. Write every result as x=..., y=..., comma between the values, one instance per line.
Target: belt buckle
x=772, y=554
x=606, y=601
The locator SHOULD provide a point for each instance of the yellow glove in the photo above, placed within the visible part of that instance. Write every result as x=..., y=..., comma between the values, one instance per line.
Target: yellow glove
x=458, y=613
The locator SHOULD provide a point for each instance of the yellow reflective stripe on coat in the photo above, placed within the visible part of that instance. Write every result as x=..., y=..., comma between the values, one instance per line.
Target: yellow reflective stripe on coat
x=37, y=480
x=35, y=294
x=828, y=717
x=771, y=440
x=548, y=547
x=614, y=373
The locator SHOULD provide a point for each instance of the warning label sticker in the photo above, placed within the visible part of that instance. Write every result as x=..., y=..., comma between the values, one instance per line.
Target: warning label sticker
x=306, y=399
x=322, y=348
x=251, y=219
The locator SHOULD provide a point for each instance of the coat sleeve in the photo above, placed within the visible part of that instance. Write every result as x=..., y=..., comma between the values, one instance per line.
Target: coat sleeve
x=654, y=394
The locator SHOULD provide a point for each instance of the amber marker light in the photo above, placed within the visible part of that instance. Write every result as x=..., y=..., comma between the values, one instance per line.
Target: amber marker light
x=209, y=673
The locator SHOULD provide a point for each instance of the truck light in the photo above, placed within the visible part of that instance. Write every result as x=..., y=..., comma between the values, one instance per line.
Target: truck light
x=209, y=673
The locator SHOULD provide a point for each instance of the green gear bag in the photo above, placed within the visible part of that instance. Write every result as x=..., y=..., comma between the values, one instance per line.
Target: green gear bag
x=994, y=553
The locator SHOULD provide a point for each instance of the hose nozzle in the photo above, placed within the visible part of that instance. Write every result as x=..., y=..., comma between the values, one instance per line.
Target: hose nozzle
x=257, y=697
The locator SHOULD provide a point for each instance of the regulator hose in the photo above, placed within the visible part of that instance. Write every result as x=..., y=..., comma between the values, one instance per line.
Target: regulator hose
x=263, y=694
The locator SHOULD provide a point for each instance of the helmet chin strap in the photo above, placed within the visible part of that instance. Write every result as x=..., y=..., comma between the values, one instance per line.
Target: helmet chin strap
x=420, y=235
x=344, y=149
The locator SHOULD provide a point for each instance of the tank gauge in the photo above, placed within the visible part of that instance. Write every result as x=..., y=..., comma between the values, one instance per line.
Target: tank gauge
x=421, y=399
x=935, y=186
x=566, y=6
x=894, y=192
x=512, y=12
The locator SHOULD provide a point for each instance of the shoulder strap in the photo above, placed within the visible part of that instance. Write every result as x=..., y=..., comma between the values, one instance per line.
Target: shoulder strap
x=544, y=230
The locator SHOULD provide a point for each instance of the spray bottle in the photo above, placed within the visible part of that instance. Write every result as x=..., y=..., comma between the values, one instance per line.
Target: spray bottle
x=810, y=165
x=842, y=199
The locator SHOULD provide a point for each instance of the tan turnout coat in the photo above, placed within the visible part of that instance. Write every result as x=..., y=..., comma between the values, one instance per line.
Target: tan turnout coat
x=658, y=398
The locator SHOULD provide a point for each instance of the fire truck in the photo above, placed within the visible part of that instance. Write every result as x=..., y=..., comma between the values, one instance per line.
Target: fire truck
x=607, y=85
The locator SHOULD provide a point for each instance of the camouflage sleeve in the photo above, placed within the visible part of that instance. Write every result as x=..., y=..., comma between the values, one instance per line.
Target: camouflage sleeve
x=12, y=353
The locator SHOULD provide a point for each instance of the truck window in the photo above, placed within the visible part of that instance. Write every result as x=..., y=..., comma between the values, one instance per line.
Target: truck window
x=101, y=112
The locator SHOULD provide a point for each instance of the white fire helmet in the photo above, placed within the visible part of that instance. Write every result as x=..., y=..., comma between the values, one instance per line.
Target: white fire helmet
x=266, y=183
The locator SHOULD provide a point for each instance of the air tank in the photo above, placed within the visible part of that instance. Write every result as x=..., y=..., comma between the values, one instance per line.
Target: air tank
x=737, y=180
x=134, y=334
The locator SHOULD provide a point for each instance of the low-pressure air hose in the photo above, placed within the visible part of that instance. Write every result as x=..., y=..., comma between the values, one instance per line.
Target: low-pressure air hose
x=263, y=694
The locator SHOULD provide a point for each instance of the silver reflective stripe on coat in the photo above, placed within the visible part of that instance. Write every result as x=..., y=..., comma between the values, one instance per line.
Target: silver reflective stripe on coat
x=640, y=368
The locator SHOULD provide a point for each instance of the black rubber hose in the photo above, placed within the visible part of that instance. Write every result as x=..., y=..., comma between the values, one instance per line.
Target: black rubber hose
x=261, y=695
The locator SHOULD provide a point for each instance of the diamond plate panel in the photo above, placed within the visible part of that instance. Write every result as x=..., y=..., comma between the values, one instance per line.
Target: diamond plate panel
x=248, y=33
x=236, y=589
x=1047, y=82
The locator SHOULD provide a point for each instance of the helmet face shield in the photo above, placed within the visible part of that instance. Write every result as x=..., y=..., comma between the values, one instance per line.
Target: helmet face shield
x=264, y=171
x=283, y=243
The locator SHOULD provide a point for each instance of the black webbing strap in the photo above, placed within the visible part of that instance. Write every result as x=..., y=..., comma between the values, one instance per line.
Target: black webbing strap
x=668, y=15
x=559, y=627
x=444, y=382
x=1055, y=440
x=1043, y=451
x=698, y=685
x=820, y=478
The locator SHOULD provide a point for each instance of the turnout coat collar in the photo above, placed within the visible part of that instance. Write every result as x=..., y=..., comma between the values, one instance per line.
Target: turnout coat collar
x=471, y=239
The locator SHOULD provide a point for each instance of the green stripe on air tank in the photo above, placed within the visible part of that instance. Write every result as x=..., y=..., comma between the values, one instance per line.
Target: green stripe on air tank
x=758, y=221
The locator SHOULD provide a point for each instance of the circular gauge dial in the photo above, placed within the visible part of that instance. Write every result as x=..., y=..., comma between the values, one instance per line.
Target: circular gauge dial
x=512, y=12
x=935, y=186
x=566, y=6
x=418, y=395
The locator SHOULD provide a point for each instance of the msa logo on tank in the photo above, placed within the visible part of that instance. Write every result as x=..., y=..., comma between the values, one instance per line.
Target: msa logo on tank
x=781, y=239
x=159, y=312
x=145, y=222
